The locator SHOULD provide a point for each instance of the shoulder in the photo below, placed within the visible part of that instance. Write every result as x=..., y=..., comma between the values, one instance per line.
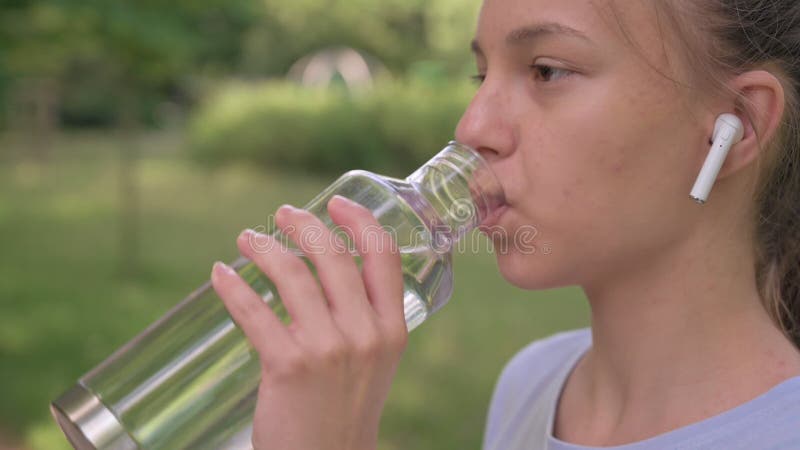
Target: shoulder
x=531, y=370
x=770, y=421
x=559, y=347
x=542, y=359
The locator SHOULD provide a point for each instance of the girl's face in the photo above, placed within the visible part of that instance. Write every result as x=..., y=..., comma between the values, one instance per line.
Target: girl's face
x=595, y=148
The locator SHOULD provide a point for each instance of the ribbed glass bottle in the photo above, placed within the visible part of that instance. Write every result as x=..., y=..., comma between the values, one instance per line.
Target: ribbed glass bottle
x=189, y=381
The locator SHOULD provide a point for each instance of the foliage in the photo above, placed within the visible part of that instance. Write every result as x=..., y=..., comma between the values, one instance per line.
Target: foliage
x=100, y=54
x=117, y=53
x=398, y=32
x=394, y=126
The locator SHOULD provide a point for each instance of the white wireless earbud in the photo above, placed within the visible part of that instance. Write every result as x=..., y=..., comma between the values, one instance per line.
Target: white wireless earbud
x=728, y=130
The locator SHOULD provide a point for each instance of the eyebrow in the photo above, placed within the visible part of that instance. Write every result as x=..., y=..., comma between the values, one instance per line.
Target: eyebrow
x=535, y=31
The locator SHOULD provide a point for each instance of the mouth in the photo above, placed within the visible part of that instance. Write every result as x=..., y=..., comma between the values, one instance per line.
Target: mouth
x=493, y=218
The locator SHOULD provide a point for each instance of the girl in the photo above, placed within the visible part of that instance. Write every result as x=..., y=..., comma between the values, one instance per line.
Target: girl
x=596, y=116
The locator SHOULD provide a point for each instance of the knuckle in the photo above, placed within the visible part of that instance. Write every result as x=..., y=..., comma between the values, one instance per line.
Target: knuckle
x=372, y=239
x=293, y=364
x=398, y=339
x=371, y=344
x=289, y=263
x=384, y=243
x=245, y=311
x=239, y=306
x=332, y=353
x=368, y=349
x=294, y=266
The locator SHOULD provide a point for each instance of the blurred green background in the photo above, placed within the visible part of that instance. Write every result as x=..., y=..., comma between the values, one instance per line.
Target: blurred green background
x=138, y=138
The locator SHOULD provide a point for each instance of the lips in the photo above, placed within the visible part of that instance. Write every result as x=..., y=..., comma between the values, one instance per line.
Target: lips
x=493, y=218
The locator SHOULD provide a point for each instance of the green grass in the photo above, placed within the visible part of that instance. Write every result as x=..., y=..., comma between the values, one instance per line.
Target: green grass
x=64, y=305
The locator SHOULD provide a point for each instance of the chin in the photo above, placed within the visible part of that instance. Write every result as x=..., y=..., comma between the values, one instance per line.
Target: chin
x=532, y=271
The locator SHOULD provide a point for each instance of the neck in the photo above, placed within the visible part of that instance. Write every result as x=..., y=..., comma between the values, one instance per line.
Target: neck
x=682, y=325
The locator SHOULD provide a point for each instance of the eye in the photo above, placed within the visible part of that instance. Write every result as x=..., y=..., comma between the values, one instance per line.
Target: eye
x=549, y=74
x=478, y=79
x=541, y=72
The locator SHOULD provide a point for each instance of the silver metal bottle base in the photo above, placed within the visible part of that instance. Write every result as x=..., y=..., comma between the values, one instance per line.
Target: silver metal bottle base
x=88, y=423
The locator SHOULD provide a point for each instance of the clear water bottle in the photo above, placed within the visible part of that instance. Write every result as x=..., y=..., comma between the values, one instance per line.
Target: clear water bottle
x=189, y=381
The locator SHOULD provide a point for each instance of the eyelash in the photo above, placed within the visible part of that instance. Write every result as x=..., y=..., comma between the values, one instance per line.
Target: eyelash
x=479, y=78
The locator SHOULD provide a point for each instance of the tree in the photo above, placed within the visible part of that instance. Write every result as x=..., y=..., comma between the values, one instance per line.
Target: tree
x=126, y=53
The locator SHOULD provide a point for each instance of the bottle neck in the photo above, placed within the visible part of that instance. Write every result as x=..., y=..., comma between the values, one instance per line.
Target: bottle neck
x=460, y=188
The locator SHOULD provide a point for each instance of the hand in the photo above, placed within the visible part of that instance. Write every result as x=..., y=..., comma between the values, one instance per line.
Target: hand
x=324, y=377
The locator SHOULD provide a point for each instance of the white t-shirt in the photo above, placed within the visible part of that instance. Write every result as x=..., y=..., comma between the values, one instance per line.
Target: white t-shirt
x=525, y=399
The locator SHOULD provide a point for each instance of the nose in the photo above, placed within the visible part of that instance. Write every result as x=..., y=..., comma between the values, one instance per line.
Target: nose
x=486, y=124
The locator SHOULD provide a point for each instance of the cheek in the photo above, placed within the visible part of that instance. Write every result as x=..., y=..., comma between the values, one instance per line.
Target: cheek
x=606, y=182
x=617, y=145
x=579, y=168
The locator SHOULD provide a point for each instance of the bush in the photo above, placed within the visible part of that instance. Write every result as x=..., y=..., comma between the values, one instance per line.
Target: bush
x=391, y=128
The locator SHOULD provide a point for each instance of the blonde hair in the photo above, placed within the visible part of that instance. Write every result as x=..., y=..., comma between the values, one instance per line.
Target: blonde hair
x=723, y=38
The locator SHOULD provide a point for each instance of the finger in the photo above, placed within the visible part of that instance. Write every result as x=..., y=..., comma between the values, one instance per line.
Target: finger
x=258, y=322
x=296, y=286
x=336, y=268
x=381, y=269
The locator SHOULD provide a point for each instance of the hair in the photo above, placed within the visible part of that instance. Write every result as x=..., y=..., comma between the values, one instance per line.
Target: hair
x=719, y=39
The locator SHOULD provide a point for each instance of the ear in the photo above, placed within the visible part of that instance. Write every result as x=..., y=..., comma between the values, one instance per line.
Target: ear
x=760, y=105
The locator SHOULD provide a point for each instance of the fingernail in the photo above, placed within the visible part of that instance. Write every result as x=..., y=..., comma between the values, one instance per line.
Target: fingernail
x=247, y=235
x=249, y=232
x=343, y=200
x=222, y=268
